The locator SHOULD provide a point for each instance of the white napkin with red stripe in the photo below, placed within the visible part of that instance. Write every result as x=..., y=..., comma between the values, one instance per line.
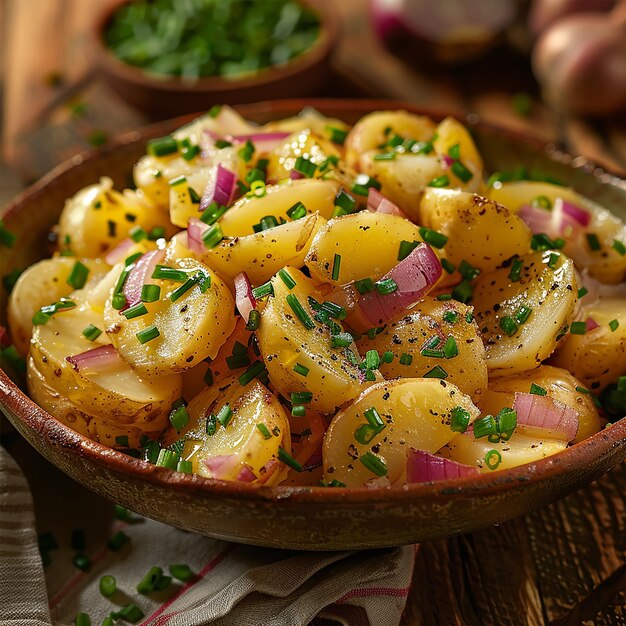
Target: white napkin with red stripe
x=233, y=585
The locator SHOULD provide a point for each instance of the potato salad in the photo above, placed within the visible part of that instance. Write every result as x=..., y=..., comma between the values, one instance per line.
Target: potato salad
x=309, y=303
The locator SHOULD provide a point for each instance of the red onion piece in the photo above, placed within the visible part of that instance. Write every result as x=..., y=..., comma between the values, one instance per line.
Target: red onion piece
x=415, y=276
x=538, y=220
x=577, y=213
x=244, y=298
x=5, y=339
x=295, y=175
x=379, y=203
x=246, y=475
x=120, y=252
x=546, y=413
x=222, y=465
x=220, y=188
x=144, y=266
x=195, y=230
x=563, y=217
x=424, y=467
x=97, y=360
x=447, y=161
x=591, y=324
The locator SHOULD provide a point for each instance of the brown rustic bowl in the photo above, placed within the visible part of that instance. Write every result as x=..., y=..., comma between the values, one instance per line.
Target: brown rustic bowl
x=165, y=96
x=311, y=518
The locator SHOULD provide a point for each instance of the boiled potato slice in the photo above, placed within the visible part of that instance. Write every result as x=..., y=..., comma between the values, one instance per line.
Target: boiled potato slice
x=97, y=218
x=416, y=413
x=598, y=357
x=308, y=118
x=606, y=263
x=479, y=231
x=559, y=384
x=349, y=236
x=190, y=329
x=318, y=196
x=261, y=255
x=285, y=341
x=409, y=335
x=39, y=285
x=547, y=286
x=241, y=441
x=374, y=129
x=518, y=450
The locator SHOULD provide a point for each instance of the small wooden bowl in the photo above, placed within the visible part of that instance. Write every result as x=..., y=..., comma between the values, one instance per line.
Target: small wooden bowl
x=163, y=96
x=310, y=518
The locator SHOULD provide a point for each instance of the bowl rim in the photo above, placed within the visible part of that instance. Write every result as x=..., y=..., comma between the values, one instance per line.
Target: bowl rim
x=321, y=49
x=14, y=401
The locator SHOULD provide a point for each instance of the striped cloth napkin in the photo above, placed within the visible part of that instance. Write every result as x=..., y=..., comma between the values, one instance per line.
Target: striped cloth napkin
x=232, y=585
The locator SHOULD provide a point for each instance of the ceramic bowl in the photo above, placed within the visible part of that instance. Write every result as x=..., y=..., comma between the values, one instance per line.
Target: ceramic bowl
x=165, y=96
x=311, y=518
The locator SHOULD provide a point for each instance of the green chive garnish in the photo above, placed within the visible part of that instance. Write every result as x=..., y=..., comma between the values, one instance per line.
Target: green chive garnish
x=183, y=289
x=387, y=357
x=450, y=349
x=150, y=293
x=254, y=320
x=485, y=426
x=372, y=359
x=468, y=271
x=131, y=613
x=337, y=135
x=451, y=317
x=506, y=420
x=82, y=562
x=508, y=325
x=362, y=184
x=305, y=167
x=463, y=291
x=461, y=172
x=386, y=286
x=211, y=424
x=450, y=268
x=406, y=247
x=436, y=372
x=459, y=419
x=336, y=266
x=266, y=289
x=578, y=328
x=593, y=241
x=522, y=314
x=91, y=332
x=613, y=325
x=300, y=369
x=184, y=467
x=147, y=334
x=135, y=311
x=287, y=459
x=169, y=273
x=537, y=390
x=78, y=275
x=301, y=397
x=117, y=541
x=167, y=458
x=212, y=236
x=181, y=572
x=108, y=586
x=373, y=418
x=433, y=238
x=492, y=459
x=162, y=146
x=82, y=619
x=365, y=433
x=213, y=213
x=619, y=247
x=137, y=234
x=439, y=181
x=298, y=410
x=118, y=301
x=301, y=314
x=583, y=291
x=265, y=431
x=286, y=278
x=225, y=415
x=341, y=340
x=179, y=417
x=247, y=151
x=254, y=371
x=374, y=464
x=516, y=270
x=345, y=201
x=297, y=211
x=364, y=286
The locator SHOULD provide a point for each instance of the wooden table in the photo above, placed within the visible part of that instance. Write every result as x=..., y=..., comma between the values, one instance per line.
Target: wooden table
x=564, y=564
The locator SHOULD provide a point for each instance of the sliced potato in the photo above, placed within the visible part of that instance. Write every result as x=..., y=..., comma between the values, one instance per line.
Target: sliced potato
x=190, y=328
x=598, y=357
x=241, y=441
x=308, y=118
x=416, y=413
x=318, y=196
x=285, y=341
x=479, y=231
x=409, y=335
x=261, y=255
x=559, y=384
x=547, y=286
x=518, y=450
x=39, y=285
x=97, y=218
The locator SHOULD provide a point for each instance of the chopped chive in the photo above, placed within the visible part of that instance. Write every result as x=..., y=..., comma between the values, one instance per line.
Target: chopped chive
x=468, y=271
x=522, y=314
x=613, y=325
x=341, y=340
x=137, y=234
x=345, y=201
x=169, y=273
x=537, y=390
x=578, y=328
x=509, y=325
x=78, y=275
x=301, y=397
x=82, y=562
x=506, y=420
x=406, y=247
x=385, y=156
x=485, y=426
x=542, y=242
x=117, y=541
x=212, y=236
x=336, y=266
x=147, y=334
x=593, y=241
x=451, y=317
x=183, y=289
x=541, y=202
x=372, y=359
x=297, y=211
x=553, y=260
x=162, y=146
x=193, y=195
x=385, y=286
x=444, y=296
x=265, y=431
x=492, y=459
x=156, y=233
x=335, y=311
x=439, y=181
x=619, y=247
x=364, y=286
x=298, y=309
x=362, y=184
x=436, y=372
x=108, y=586
x=583, y=291
x=337, y=135
x=430, y=352
x=450, y=268
x=265, y=223
x=298, y=410
x=91, y=332
x=286, y=278
x=266, y=289
x=149, y=581
x=516, y=270
x=181, y=572
x=300, y=369
x=365, y=433
x=461, y=172
x=189, y=153
x=214, y=111
x=167, y=458
x=254, y=371
x=211, y=425
x=374, y=464
x=135, y=311
x=287, y=459
x=82, y=619
x=150, y=293
x=179, y=180
x=373, y=418
x=463, y=291
x=213, y=213
x=432, y=342
x=7, y=238
x=131, y=613
x=406, y=358
x=184, y=467
x=305, y=167
x=122, y=440
x=387, y=357
x=246, y=151
x=179, y=417
x=469, y=317
x=433, y=237
x=459, y=419
x=254, y=320
x=450, y=349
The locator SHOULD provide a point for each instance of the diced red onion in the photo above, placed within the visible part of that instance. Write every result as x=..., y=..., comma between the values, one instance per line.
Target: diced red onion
x=222, y=465
x=579, y=214
x=424, y=467
x=546, y=413
x=244, y=298
x=144, y=267
x=563, y=217
x=220, y=188
x=379, y=203
x=5, y=339
x=295, y=175
x=246, y=475
x=120, y=252
x=97, y=360
x=195, y=230
x=591, y=324
x=538, y=220
x=415, y=276
x=447, y=161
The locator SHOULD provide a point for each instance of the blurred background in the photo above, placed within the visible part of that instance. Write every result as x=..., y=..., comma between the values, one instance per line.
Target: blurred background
x=78, y=73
